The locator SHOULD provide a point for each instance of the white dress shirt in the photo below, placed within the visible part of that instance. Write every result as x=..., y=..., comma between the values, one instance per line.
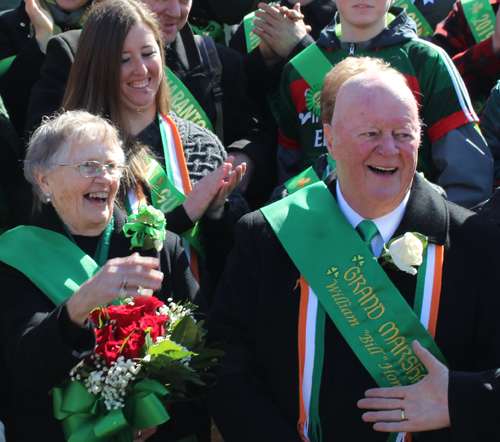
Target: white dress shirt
x=386, y=224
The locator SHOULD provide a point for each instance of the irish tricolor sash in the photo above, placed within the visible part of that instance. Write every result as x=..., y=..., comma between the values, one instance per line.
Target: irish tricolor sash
x=171, y=186
x=346, y=282
x=69, y=266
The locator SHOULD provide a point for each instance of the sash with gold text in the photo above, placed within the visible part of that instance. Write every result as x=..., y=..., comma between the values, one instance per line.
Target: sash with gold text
x=351, y=287
x=480, y=18
x=184, y=104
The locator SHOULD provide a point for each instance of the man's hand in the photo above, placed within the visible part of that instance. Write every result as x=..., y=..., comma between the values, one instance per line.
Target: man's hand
x=42, y=22
x=280, y=31
x=425, y=404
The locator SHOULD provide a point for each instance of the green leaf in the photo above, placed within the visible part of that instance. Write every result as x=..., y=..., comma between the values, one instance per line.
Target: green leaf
x=163, y=347
x=186, y=333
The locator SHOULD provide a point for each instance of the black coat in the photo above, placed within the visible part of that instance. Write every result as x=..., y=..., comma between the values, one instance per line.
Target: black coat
x=40, y=344
x=16, y=83
x=255, y=315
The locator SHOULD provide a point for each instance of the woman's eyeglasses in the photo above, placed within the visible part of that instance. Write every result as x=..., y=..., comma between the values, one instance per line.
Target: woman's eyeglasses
x=92, y=169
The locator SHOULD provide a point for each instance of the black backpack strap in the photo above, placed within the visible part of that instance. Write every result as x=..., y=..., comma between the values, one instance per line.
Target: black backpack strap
x=212, y=64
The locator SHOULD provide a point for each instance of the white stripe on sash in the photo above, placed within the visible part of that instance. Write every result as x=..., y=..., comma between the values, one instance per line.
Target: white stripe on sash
x=312, y=309
x=172, y=159
x=134, y=202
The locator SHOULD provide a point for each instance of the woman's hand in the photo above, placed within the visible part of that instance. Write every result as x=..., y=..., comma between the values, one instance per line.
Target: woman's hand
x=209, y=194
x=143, y=435
x=216, y=208
x=42, y=22
x=119, y=277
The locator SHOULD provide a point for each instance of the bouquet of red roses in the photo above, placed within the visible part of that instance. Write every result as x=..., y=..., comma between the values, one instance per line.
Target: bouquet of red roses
x=147, y=352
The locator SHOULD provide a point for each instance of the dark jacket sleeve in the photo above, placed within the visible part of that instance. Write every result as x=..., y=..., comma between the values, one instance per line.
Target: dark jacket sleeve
x=41, y=342
x=17, y=82
x=48, y=92
x=240, y=402
x=474, y=405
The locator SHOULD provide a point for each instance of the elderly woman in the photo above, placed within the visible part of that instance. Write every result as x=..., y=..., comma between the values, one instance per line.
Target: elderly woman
x=75, y=163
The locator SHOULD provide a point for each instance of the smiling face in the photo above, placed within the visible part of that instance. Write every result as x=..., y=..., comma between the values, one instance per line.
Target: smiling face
x=142, y=71
x=172, y=15
x=84, y=204
x=374, y=138
x=362, y=19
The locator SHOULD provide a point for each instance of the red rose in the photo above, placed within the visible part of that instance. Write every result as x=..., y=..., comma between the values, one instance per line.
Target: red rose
x=94, y=316
x=112, y=351
x=133, y=346
x=124, y=314
x=122, y=331
x=149, y=304
x=157, y=324
x=102, y=335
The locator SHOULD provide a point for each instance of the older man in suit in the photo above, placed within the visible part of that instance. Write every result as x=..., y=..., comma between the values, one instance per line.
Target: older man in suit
x=309, y=314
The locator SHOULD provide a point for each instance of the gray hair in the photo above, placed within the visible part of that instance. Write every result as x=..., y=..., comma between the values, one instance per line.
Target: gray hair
x=73, y=126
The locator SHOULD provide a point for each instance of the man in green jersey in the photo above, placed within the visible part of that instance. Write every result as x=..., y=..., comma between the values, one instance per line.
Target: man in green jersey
x=453, y=153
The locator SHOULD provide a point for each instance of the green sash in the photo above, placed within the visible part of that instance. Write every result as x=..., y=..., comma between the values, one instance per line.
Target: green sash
x=205, y=26
x=424, y=29
x=308, y=177
x=166, y=197
x=5, y=65
x=372, y=316
x=69, y=265
x=303, y=179
x=184, y=104
x=312, y=65
x=480, y=18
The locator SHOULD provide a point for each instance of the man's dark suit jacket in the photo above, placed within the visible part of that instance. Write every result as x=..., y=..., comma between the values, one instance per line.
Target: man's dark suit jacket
x=255, y=320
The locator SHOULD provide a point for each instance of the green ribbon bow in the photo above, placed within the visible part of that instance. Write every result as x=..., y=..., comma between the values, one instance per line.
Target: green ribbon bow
x=147, y=228
x=85, y=418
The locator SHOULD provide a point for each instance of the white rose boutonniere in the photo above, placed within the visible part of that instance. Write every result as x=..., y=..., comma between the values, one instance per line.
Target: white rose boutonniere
x=405, y=252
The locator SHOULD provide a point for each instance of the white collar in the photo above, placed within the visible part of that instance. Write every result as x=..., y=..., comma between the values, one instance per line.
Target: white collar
x=386, y=224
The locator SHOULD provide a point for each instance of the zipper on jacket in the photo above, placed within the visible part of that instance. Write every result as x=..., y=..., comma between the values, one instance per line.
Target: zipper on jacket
x=351, y=48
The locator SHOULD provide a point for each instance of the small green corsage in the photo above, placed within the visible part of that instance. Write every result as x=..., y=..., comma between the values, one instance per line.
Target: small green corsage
x=147, y=228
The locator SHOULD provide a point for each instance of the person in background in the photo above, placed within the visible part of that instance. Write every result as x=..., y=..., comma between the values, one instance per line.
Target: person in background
x=450, y=140
x=24, y=34
x=470, y=35
x=269, y=40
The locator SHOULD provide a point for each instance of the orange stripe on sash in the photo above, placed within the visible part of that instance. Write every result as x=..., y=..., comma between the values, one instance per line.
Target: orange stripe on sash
x=304, y=300
x=194, y=263
x=181, y=160
x=436, y=289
